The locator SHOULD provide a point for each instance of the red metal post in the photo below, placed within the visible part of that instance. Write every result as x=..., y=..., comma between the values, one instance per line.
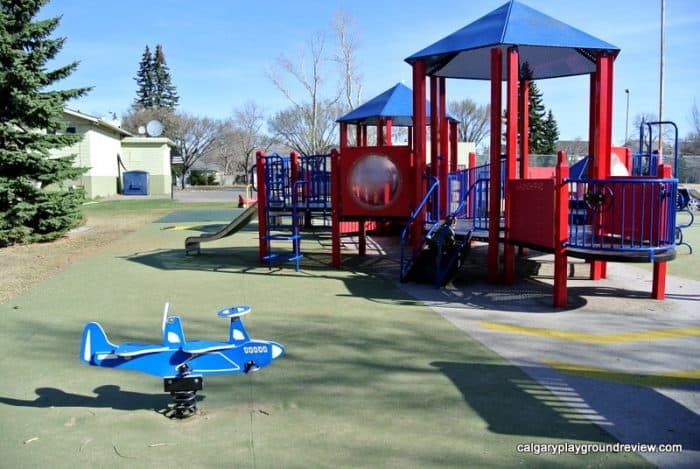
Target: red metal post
x=444, y=145
x=454, y=156
x=262, y=203
x=561, y=231
x=358, y=136
x=524, y=137
x=389, y=137
x=380, y=131
x=343, y=135
x=434, y=126
x=601, y=133
x=658, y=289
x=471, y=164
x=364, y=135
x=418, y=146
x=335, y=208
x=294, y=156
x=511, y=159
x=495, y=173
x=524, y=128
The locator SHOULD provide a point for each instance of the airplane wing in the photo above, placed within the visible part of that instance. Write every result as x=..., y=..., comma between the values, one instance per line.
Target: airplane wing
x=197, y=347
x=129, y=350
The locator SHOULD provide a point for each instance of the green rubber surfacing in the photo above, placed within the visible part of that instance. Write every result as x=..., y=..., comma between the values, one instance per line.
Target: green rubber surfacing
x=372, y=378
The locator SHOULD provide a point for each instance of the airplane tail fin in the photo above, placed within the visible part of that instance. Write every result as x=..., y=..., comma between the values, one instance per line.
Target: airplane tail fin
x=94, y=346
x=237, y=332
x=173, y=335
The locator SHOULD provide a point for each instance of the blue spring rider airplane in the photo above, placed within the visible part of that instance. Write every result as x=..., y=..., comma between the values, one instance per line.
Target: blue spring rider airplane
x=181, y=363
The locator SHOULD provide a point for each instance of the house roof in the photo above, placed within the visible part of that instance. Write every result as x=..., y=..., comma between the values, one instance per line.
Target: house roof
x=98, y=122
x=550, y=47
x=396, y=103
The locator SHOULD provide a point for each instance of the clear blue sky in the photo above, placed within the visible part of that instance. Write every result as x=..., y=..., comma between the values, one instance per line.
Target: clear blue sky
x=218, y=50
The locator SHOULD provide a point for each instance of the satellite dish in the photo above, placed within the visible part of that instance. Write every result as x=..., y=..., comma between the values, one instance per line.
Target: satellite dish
x=154, y=128
x=142, y=130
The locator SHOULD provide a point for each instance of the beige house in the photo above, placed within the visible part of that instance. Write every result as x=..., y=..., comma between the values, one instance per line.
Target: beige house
x=104, y=144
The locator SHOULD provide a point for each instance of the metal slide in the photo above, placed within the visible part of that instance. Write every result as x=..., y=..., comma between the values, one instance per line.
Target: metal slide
x=192, y=242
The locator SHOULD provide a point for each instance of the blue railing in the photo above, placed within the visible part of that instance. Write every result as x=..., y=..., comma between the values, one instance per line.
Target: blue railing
x=406, y=262
x=622, y=215
x=468, y=194
x=646, y=162
x=313, y=169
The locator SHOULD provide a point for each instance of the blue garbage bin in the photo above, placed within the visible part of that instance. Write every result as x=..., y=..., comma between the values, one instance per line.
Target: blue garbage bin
x=135, y=183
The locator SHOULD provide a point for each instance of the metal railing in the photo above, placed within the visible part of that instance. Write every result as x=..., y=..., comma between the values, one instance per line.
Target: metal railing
x=406, y=262
x=622, y=215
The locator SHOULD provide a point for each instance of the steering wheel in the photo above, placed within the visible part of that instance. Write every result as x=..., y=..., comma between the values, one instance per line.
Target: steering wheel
x=599, y=199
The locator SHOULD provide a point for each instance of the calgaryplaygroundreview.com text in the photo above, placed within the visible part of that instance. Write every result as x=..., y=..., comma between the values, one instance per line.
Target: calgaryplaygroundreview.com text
x=586, y=448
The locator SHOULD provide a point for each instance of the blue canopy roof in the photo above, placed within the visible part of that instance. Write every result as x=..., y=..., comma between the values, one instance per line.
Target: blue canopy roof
x=396, y=103
x=549, y=47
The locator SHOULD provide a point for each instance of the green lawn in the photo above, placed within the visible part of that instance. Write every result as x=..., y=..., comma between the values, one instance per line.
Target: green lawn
x=372, y=378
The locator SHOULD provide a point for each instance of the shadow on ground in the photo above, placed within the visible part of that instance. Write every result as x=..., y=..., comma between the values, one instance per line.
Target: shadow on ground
x=107, y=396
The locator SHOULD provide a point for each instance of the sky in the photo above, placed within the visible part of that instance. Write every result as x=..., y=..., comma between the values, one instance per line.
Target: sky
x=219, y=51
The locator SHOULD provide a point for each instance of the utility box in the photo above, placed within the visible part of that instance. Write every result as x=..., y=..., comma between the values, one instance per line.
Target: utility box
x=135, y=183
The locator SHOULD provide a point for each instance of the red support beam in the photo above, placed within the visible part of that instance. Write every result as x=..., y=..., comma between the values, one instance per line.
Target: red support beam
x=524, y=128
x=454, y=137
x=418, y=146
x=389, y=140
x=434, y=126
x=358, y=135
x=658, y=289
x=511, y=158
x=495, y=159
x=262, y=203
x=444, y=145
x=380, y=132
x=601, y=133
x=335, y=208
x=343, y=135
x=561, y=231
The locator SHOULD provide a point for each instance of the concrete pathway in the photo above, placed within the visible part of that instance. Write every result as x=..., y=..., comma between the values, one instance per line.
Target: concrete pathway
x=615, y=357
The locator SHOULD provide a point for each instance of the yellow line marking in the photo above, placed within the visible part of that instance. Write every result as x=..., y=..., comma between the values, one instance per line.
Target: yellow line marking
x=184, y=227
x=654, y=380
x=594, y=338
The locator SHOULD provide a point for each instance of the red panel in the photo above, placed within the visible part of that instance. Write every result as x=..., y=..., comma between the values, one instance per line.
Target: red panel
x=376, y=181
x=540, y=173
x=532, y=211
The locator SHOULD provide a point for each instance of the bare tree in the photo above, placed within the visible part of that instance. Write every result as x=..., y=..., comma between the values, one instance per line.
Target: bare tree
x=310, y=121
x=248, y=121
x=194, y=137
x=691, y=145
x=473, y=120
x=346, y=57
x=293, y=128
x=695, y=119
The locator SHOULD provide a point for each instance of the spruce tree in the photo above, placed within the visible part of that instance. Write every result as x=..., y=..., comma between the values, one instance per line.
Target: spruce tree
x=165, y=95
x=145, y=81
x=550, y=135
x=536, y=120
x=35, y=204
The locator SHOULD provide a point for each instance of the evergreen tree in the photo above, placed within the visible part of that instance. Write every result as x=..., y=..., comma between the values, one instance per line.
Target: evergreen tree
x=145, y=81
x=35, y=205
x=536, y=120
x=165, y=95
x=550, y=135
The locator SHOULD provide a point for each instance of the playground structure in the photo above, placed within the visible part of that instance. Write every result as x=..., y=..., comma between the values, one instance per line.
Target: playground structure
x=610, y=206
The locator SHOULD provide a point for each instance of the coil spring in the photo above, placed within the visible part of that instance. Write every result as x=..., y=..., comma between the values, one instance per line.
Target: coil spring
x=184, y=404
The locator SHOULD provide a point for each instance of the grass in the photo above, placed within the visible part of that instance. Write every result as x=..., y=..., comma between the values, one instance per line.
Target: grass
x=372, y=378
